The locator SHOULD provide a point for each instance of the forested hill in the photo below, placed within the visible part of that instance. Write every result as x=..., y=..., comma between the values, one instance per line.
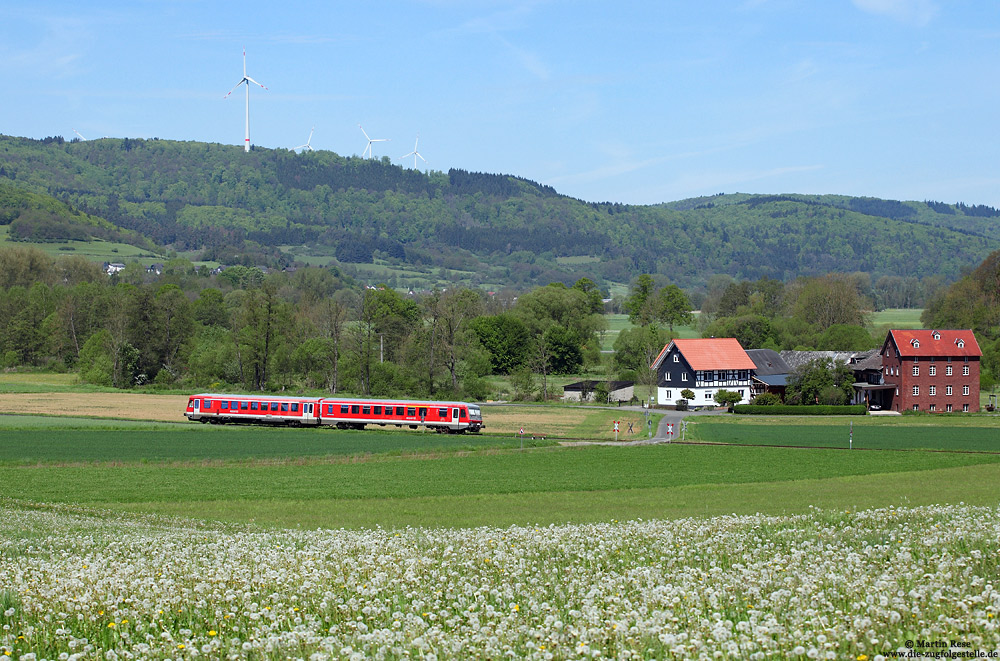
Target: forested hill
x=237, y=207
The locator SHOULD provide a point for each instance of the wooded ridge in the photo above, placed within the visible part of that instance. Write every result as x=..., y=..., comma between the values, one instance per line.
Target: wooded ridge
x=243, y=208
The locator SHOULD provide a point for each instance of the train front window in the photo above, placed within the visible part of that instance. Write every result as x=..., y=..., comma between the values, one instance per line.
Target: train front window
x=475, y=413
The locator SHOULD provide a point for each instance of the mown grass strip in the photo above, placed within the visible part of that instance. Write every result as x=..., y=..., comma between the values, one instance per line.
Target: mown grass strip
x=539, y=471
x=972, y=485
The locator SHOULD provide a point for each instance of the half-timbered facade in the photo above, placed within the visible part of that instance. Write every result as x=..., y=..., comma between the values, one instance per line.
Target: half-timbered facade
x=705, y=366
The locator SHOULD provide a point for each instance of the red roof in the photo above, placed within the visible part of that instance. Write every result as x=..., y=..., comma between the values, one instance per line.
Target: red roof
x=943, y=343
x=710, y=353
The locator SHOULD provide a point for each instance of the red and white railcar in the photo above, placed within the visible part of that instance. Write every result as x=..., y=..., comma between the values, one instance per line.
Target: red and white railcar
x=343, y=413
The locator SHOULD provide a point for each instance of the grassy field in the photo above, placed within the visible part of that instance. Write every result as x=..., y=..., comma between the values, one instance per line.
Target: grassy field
x=836, y=433
x=898, y=318
x=97, y=250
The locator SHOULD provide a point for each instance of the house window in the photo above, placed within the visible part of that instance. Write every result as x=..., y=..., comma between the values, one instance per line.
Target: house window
x=916, y=390
x=933, y=408
x=965, y=408
x=947, y=370
x=947, y=390
x=965, y=390
x=666, y=376
x=916, y=344
x=960, y=343
x=916, y=407
x=936, y=335
x=708, y=395
x=669, y=394
x=965, y=370
x=933, y=391
x=677, y=358
x=947, y=408
x=916, y=370
x=684, y=376
x=932, y=371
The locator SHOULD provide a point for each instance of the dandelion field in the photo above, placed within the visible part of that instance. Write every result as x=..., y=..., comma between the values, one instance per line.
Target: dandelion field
x=88, y=584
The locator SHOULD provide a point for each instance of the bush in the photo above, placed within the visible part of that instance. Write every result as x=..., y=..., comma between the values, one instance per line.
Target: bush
x=783, y=409
x=681, y=405
x=766, y=399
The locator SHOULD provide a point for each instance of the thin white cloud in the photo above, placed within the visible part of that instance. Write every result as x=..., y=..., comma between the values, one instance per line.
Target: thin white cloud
x=911, y=12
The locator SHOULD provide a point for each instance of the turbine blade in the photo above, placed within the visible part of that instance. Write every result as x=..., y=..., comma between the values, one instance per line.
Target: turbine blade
x=363, y=131
x=254, y=81
x=234, y=88
x=421, y=157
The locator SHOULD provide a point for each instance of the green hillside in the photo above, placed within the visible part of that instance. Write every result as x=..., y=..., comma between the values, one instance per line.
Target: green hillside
x=273, y=207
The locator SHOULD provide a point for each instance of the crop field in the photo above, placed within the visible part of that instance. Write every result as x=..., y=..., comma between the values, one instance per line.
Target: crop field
x=123, y=535
x=898, y=318
x=975, y=435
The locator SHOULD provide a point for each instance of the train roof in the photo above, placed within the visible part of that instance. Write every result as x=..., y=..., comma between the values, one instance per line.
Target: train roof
x=333, y=399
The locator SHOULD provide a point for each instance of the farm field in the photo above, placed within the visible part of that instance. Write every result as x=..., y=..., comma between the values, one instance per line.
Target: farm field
x=958, y=433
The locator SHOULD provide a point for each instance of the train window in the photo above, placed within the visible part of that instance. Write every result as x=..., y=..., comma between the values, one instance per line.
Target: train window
x=399, y=410
x=253, y=406
x=366, y=410
x=354, y=408
x=378, y=410
x=234, y=405
x=442, y=413
x=284, y=407
x=243, y=406
x=423, y=412
x=206, y=404
x=224, y=406
x=344, y=408
x=411, y=411
x=274, y=406
x=295, y=407
x=463, y=412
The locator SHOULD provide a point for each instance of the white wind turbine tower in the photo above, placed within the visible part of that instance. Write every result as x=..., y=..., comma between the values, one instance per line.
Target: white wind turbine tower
x=368, y=150
x=246, y=79
x=307, y=145
x=415, y=154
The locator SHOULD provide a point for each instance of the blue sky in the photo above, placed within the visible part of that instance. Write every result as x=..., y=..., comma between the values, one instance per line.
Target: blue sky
x=634, y=102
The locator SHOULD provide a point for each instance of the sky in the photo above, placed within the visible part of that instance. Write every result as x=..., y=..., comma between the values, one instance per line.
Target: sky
x=632, y=102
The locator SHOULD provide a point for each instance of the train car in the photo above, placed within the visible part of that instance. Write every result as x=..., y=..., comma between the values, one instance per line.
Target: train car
x=451, y=417
x=343, y=413
x=253, y=409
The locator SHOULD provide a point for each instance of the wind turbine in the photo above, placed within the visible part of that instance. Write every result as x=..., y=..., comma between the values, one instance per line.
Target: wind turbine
x=246, y=79
x=307, y=145
x=368, y=150
x=78, y=135
x=415, y=154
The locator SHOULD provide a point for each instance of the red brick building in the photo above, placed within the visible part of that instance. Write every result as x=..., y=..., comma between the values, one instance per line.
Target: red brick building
x=932, y=370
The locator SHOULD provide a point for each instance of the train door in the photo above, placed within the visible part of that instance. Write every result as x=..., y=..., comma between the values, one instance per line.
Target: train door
x=308, y=410
x=454, y=419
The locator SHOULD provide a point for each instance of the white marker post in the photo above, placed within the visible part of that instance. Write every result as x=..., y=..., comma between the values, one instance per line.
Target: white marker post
x=616, y=431
x=851, y=437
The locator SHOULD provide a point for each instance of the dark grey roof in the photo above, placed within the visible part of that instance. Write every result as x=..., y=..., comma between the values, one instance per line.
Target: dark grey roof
x=867, y=360
x=773, y=379
x=768, y=362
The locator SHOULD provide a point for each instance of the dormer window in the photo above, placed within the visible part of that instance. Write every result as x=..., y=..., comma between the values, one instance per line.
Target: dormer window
x=960, y=342
x=936, y=335
x=915, y=342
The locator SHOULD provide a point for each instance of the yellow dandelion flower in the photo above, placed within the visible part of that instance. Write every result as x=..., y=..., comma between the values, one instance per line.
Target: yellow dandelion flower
x=111, y=625
x=180, y=646
x=516, y=608
x=213, y=632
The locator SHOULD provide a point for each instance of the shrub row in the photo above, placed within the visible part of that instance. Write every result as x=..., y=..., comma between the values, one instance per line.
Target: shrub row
x=784, y=409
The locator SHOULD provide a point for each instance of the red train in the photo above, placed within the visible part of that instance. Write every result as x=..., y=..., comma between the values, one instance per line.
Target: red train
x=340, y=412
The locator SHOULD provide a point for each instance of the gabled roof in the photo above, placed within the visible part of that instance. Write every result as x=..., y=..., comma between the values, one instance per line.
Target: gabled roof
x=590, y=385
x=927, y=343
x=768, y=361
x=709, y=353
